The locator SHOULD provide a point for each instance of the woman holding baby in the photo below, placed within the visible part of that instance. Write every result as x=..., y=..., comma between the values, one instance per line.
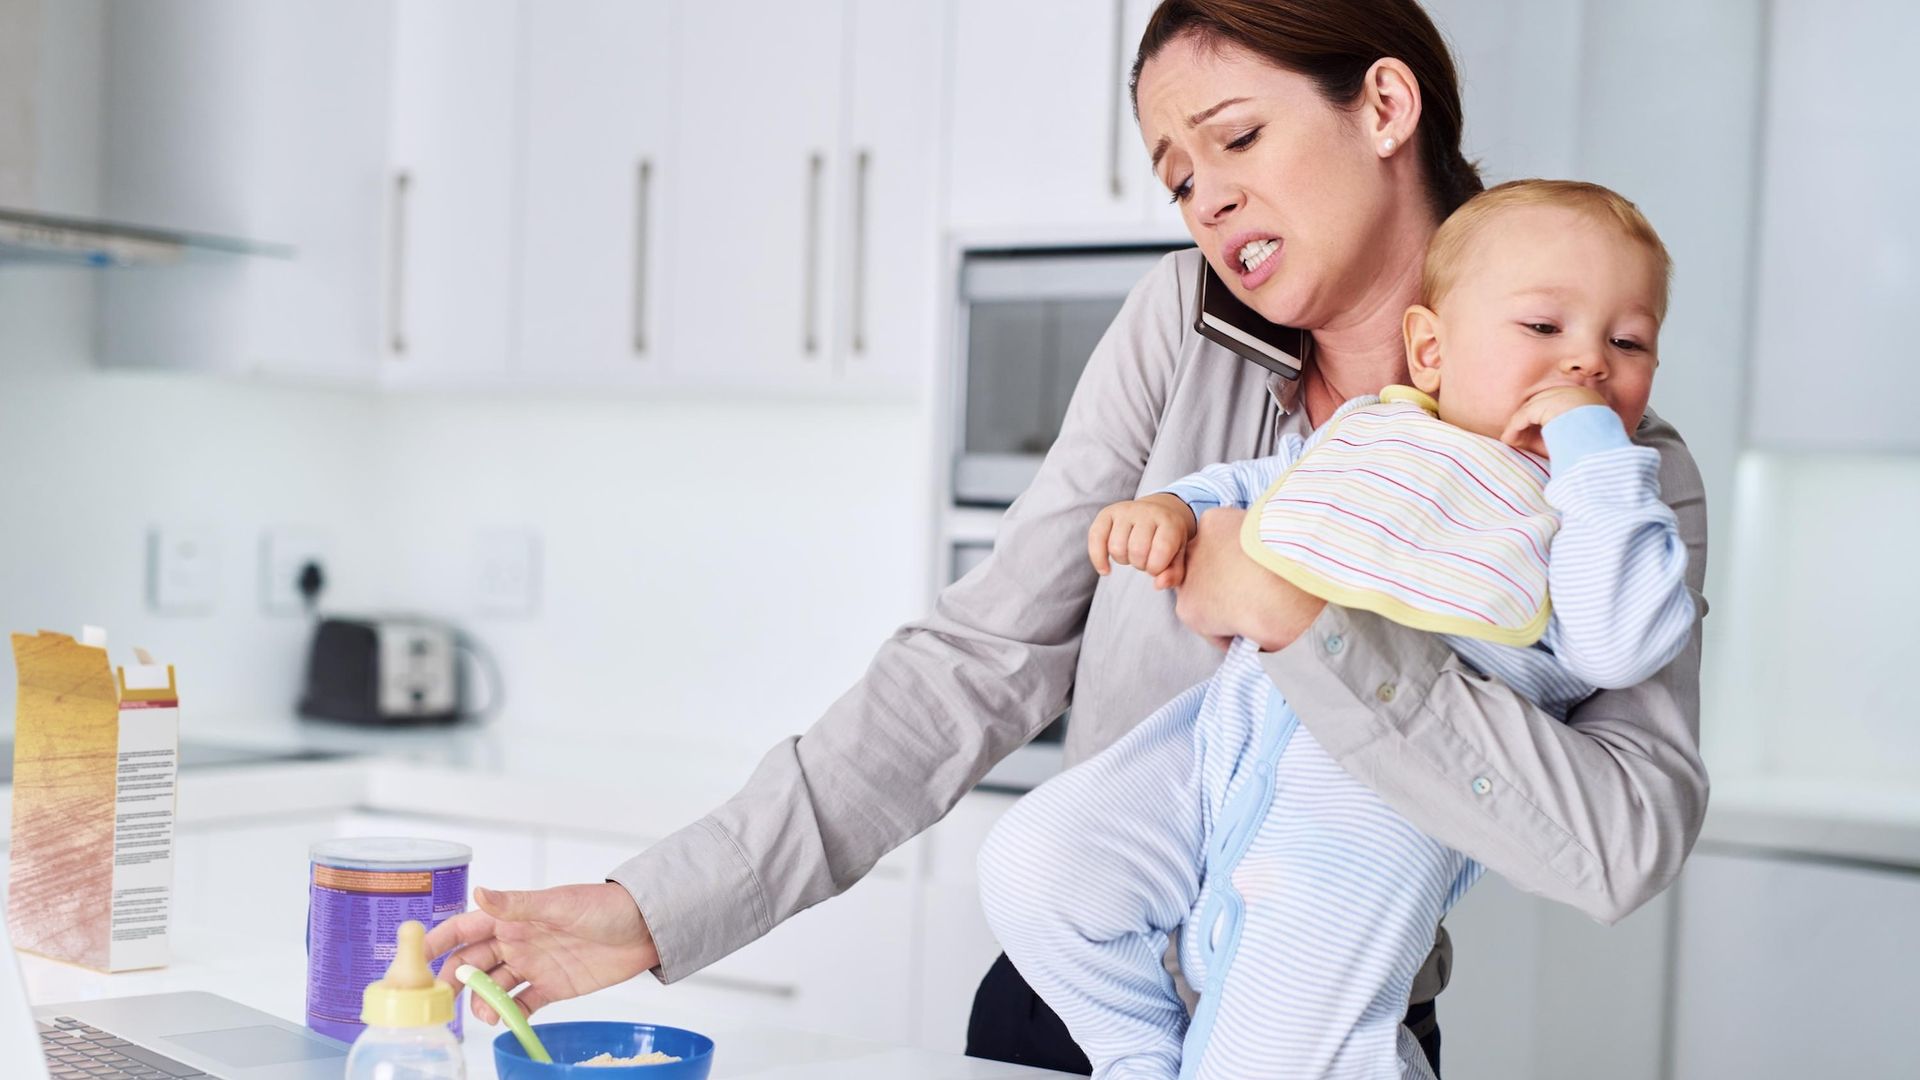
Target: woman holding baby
x=1314, y=149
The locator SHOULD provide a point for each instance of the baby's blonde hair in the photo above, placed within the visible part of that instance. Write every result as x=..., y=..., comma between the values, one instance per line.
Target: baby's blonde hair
x=1448, y=250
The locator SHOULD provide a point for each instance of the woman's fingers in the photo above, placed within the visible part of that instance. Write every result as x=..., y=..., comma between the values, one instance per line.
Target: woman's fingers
x=463, y=929
x=483, y=1011
x=484, y=955
x=532, y=1000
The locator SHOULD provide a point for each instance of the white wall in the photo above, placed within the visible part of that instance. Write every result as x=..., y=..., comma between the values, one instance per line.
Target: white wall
x=713, y=571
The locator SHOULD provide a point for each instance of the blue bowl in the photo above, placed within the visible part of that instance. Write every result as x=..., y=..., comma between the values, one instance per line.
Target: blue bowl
x=580, y=1040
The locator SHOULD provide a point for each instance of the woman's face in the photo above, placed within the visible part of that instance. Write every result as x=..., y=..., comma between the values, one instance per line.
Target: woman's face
x=1284, y=193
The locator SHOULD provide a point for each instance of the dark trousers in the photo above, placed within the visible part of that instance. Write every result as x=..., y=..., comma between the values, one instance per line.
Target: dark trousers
x=1011, y=1023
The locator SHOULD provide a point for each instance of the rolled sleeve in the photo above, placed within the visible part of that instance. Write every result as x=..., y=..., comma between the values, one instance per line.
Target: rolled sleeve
x=675, y=883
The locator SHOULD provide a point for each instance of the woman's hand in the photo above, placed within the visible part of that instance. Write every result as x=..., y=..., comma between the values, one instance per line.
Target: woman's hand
x=1228, y=595
x=563, y=942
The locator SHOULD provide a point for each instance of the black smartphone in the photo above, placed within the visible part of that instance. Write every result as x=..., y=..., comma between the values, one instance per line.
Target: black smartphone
x=1222, y=319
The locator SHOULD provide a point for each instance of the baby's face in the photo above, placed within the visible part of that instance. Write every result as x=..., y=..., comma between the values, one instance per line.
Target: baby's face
x=1549, y=297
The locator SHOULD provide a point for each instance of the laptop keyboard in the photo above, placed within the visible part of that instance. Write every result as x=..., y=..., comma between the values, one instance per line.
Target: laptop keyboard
x=76, y=1051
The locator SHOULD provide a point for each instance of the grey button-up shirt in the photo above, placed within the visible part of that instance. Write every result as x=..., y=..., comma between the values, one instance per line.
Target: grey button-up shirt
x=1598, y=812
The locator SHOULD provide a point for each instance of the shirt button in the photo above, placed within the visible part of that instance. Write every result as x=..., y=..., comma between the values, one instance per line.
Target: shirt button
x=1335, y=643
x=1385, y=693
x=1482, y=785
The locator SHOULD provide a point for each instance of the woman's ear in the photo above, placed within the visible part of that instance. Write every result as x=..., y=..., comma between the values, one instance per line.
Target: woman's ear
x=1422, y=329
x=1390, y=105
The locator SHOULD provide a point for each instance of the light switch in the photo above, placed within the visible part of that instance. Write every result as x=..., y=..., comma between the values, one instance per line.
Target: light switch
x=183, y=571
x=507, y=572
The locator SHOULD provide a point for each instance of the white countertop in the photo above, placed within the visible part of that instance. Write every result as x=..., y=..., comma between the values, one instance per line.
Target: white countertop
x=537, y=780
x=273, y=979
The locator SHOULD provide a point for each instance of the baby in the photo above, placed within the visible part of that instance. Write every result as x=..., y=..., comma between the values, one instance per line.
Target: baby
x=1306, y=904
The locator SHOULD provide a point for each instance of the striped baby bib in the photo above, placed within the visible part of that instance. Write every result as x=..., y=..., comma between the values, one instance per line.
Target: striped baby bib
x=1395, y=511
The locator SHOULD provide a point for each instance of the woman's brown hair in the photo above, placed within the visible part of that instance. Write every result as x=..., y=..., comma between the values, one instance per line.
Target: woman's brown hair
x=1334, y=42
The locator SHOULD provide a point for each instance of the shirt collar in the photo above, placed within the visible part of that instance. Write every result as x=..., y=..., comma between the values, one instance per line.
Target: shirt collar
x=1284, y=391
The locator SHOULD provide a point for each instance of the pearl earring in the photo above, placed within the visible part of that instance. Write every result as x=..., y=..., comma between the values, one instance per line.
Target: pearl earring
x=1387, y=144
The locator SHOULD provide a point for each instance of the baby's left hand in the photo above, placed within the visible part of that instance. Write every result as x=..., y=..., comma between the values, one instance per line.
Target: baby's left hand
x=1523, y=431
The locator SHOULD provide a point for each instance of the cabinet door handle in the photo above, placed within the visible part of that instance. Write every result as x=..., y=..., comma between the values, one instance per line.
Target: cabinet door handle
x=809, y=316
x=1113, y=99
x=861, y=163
x=397, y=270
x=643, y=192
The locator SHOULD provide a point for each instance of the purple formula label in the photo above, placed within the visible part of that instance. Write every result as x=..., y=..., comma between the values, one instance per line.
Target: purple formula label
x=359, y=892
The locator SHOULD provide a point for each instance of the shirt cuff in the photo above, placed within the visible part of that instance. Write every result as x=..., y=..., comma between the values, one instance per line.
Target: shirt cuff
x=675, y=883
x=1580, y=432
x=1357, y=676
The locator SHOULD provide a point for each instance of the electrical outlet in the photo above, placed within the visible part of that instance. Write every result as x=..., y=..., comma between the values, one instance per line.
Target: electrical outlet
x=507, y=572
x=285, y=553
x=183, y=571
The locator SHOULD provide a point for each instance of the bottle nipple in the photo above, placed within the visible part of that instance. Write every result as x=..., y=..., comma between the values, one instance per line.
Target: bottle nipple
x=409, y=995
x=409, y=970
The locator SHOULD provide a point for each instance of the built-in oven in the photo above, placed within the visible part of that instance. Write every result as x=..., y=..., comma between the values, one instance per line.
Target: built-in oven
x=1027, y=320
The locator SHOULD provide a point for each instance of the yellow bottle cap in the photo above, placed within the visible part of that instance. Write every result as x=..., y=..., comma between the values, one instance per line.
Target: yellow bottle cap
x=409, y=996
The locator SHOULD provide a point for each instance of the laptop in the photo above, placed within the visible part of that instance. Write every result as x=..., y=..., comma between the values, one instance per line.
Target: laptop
x=181, y=1036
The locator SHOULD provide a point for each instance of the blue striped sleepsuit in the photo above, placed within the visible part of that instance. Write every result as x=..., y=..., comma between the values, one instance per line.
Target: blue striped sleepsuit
x=1305, y=904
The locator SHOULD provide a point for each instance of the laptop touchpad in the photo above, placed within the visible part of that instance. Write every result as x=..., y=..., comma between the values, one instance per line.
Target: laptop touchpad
x=250, y=1047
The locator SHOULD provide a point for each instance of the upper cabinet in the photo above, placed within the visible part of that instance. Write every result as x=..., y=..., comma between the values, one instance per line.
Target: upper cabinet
x=1043, y=137
x=709, y=194
x=371, y=137
x=449, y=186
x=596, y=172
x=268, y=121
x=732, y=194
x=1838, y=236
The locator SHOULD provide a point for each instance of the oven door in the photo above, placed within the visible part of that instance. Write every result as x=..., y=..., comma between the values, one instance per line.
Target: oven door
x=1029, y=320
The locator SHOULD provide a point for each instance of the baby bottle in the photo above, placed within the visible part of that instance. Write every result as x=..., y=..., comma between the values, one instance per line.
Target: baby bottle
x=406, y=1015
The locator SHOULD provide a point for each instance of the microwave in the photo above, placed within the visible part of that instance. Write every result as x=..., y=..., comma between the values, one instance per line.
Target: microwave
x=1028, y=320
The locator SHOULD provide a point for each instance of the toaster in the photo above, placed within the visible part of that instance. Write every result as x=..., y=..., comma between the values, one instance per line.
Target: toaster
x=384, y=671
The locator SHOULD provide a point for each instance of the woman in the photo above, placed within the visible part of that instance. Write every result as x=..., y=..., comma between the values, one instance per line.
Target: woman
x=1319, y=141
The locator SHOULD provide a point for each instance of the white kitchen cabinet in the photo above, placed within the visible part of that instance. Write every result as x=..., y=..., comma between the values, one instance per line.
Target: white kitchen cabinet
x=756, y=137
x=374, y=138
x=888, y=251
x=1539, y=989
x=261, y=121
x=1838, y=235
x=955, y=945
x=841, y=967
x=594, y=277
x=1793, y=968
x=249, y=879
x=1042, y=131
x=450, y=190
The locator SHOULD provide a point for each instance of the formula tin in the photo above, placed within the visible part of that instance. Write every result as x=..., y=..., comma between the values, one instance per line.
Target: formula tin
x=359, y=892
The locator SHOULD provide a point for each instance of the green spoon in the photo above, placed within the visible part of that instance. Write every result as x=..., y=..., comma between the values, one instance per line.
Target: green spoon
x=491, y=993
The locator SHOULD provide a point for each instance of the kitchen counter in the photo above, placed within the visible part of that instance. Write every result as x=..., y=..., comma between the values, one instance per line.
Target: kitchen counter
x=647, y=790
x=272, y=979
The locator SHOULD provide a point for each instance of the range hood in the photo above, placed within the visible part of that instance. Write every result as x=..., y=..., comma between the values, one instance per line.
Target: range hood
x=30, y=237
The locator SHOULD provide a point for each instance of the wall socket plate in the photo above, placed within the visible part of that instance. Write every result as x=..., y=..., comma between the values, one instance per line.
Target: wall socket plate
x=285, y=550
x=183, y=570
x=506, y=572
